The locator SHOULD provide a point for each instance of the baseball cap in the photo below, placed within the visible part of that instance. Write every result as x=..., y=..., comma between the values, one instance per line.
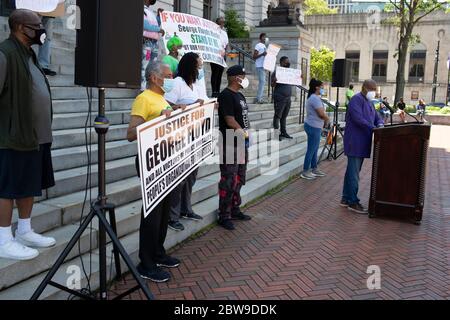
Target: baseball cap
x=236, y=70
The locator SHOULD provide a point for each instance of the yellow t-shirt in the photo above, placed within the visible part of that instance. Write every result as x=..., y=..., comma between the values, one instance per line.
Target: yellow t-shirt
x=149, y=105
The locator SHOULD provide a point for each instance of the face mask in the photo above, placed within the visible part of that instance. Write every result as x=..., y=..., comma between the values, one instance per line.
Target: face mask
x=371, y=95
x=287, y=65
x=39, y=36
x=201, y=74
x=168, y=85
x=322, y=91
x=267, y=41
x=245, y=83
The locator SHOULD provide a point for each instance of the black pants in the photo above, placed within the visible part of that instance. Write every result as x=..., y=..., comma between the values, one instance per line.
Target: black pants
x=153, y=232
x=216, y=79
x=282, y=107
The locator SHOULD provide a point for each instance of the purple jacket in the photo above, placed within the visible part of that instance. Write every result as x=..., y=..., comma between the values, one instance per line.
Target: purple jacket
x=361, y=119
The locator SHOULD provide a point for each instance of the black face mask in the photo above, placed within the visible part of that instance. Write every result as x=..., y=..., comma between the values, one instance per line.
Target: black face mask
x=39, y=36
x=287, y=65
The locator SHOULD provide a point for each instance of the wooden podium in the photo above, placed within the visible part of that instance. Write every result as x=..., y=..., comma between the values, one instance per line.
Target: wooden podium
x=398, y=171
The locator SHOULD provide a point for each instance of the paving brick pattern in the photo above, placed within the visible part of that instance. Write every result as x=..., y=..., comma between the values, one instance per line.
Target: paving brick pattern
x=301, y=245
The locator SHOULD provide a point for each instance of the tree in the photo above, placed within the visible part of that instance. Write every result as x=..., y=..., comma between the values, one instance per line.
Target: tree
x=322, y=63
x=236, y=28
x=407, y=14
x=318, y=7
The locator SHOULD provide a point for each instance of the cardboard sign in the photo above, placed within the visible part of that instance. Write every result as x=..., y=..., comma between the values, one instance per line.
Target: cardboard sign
x=60, y=11
x=172, y=148
x=289, y=76
x=270, y=61
x=198, y=35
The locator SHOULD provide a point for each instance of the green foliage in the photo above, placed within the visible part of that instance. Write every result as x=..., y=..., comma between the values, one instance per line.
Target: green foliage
x=236, y=28
x=433, y=109
x=445, y=110
x=322, y=63
x=410, y=109
x=318, y=7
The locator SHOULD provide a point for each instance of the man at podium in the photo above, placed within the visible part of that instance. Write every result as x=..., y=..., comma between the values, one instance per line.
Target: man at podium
x=361, y=119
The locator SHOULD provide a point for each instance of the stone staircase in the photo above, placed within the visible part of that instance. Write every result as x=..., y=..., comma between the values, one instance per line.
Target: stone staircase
x=58, y=211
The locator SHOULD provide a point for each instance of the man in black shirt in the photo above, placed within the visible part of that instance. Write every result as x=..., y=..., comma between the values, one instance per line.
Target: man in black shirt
x=233, y=125
x=282, y=101
x=401, y=106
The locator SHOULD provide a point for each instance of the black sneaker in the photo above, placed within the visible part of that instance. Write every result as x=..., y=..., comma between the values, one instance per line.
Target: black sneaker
x=358, y=208
x=49, y=72
x=192, y=216
x=240, y=216
x=285, y=135
x=176, y=225
x=227, y=224
x=156, y=275
x=169, y=262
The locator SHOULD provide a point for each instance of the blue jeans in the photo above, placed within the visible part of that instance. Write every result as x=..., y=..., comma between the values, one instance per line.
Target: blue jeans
x=262, y=82
x=351, y=181
x=313, y=146
x=45, y=49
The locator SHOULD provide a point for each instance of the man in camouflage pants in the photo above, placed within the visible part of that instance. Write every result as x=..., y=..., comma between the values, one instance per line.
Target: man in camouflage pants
x=233, y=125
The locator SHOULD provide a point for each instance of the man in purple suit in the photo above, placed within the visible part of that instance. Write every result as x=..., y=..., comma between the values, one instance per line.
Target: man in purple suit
x=361, y=119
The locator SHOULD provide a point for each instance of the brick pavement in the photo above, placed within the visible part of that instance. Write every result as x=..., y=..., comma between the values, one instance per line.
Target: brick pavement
x=301, y=245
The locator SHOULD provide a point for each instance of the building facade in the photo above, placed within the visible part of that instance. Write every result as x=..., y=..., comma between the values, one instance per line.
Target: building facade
x=354, y=6
x=371, y=49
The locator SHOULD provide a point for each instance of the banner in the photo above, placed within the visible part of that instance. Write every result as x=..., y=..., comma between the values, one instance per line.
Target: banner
x=289, y=76
x=270, y=60
x=38, y=5
x=198, y=35
x=171, y=148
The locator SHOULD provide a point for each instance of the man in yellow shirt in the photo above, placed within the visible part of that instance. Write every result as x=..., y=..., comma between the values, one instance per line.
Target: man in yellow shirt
x=149, y=105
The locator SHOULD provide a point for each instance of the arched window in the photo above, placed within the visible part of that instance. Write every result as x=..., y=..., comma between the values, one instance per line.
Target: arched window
x=417, y=61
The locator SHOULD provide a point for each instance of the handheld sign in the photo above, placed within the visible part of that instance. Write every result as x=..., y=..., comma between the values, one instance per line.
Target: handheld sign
x=171, y=148
x=289, y=76
x=270, y=60
x=198, y=35
x=38, y=5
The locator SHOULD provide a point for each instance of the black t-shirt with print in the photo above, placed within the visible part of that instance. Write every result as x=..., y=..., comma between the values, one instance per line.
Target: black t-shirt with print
x=232, y=104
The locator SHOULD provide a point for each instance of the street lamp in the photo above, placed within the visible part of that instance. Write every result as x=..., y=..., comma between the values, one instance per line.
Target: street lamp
x=441, y=34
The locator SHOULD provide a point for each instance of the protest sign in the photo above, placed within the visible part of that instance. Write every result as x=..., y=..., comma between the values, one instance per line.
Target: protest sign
x=289, y=76
x=270, y=60
x=171, y=148
x=38, y=5
x=198, y=35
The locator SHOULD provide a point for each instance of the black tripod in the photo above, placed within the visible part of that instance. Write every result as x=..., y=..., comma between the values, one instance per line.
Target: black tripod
x=99, y=210
x=332, y=137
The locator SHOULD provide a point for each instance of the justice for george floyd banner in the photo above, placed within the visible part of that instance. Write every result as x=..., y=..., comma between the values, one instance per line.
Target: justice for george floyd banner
x=198, y=35
x=172, y=148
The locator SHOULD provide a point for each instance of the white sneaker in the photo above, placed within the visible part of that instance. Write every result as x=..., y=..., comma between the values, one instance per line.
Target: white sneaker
x=318, y=173
x=307, y=175
x=32, y=239
x=15, y=250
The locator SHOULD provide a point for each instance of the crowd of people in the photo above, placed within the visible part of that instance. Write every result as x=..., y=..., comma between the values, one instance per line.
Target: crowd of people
x=170, y=82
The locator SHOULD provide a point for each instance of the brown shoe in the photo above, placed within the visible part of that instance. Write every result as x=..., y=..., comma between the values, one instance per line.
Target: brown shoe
x=358, y=208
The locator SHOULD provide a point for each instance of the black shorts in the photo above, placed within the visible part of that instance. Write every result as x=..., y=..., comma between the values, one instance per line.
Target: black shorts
x=25, y=174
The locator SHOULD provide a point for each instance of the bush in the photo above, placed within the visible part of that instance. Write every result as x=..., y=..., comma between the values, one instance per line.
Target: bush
x=410, y=109
x=433, y=109
x=445, y=110
x=234, y=25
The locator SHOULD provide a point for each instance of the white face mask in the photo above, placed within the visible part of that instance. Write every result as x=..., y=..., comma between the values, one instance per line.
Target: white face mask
x=371, y=95
x=245, y=83
x=267, y=41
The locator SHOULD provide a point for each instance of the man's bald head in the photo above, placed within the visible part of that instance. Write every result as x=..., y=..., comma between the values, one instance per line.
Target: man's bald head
x=370, y=85
x=23, y=17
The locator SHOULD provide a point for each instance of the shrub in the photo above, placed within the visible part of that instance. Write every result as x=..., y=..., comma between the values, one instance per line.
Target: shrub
x=236, y=28
x=433, y=109
x=410, y=109
x=445, y=110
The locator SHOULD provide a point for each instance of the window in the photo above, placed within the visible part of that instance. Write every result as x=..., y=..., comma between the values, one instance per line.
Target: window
x=353, y=65
x=417, y=60
x=379, y=66
x=304, y=69
x=207, y=9
x=177, y=5
x=6, y=7
x=181, y=6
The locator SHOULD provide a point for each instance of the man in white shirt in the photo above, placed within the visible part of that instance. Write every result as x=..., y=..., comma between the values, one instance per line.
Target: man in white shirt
x=217, y=69
x=259, y=55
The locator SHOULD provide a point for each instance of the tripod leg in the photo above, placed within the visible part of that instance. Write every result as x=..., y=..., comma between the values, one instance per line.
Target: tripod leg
x=63, y=256
x=112, y=219
x=126, y=257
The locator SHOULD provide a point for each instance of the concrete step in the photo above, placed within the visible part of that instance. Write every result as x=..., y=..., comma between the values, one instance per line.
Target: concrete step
x=81, y=105
x=78, y=120
x=128, y=220
x=61, y=93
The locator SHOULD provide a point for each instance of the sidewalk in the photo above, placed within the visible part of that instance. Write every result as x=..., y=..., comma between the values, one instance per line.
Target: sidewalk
x=301, y=245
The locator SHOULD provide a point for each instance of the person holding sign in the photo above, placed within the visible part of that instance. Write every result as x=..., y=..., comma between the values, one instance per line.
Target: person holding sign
x=234, y=124
x=282, y=101
x=259, y=56
x=152, y=33
x=153, y=229
x=186, y=91
x=217, y=69
x=25, y=135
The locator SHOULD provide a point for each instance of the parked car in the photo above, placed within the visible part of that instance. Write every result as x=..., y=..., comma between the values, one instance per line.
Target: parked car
x=437, y=104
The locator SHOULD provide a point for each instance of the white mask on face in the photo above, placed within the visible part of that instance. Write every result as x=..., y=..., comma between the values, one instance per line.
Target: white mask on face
x=245, y=83
x=371, y=95
x=267, y=41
